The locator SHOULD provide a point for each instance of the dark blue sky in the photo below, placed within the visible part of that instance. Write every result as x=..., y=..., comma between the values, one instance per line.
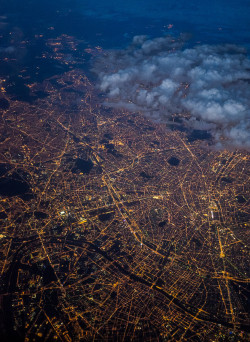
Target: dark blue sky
x=112, y=23
x=210, y=21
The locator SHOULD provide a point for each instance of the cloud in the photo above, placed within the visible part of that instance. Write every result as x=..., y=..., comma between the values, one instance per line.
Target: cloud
x=8, y=49
x=207, y=83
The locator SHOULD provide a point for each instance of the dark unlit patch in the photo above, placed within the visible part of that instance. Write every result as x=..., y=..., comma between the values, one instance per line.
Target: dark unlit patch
x=173, y=161
x=4, y=104
x=199, y=135
x=14, y=185
x=83, y=165
x=241, y=199
x=105, y=217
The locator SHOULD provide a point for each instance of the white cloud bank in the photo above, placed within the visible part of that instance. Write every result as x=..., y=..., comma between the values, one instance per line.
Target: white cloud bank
x=159, y=78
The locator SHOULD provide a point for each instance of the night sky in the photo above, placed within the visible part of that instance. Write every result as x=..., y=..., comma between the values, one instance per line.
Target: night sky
x=113, y=23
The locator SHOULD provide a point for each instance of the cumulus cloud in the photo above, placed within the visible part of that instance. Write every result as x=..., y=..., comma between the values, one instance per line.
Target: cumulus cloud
x=206, y=85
